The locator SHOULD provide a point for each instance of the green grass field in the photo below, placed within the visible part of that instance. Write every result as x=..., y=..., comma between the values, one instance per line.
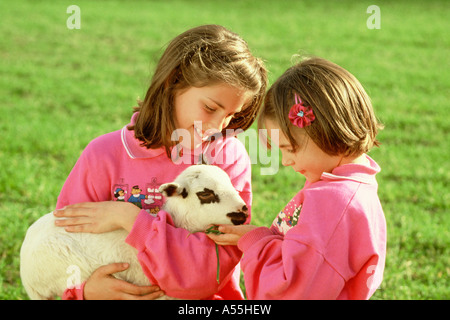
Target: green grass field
x=60, y=88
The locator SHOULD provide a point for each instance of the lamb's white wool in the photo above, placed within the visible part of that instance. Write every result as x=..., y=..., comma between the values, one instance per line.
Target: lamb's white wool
x=52, y=259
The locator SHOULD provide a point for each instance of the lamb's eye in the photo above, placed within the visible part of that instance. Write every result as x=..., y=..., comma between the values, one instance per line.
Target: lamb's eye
x=207, y=196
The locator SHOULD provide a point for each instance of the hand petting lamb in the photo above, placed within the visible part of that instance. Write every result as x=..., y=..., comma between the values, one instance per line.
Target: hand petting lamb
x=52, y=259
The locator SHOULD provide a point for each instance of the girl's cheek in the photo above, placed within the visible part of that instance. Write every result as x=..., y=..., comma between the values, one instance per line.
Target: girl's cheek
x=286, y=159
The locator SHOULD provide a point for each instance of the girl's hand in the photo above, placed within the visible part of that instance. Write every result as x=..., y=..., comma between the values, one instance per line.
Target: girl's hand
x=102, y=285
x=97, y=217
x=231, y=234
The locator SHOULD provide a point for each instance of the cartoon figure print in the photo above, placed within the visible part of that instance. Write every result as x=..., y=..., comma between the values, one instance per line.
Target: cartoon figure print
x=150, y=200
x=287, y=218
x=136, y=196
x=119, y=191
x=119, y=194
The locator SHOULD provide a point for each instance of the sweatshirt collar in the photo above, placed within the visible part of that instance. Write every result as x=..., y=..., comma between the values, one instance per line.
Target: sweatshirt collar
x=133, y=146
x=355, y=172
x=136, y=151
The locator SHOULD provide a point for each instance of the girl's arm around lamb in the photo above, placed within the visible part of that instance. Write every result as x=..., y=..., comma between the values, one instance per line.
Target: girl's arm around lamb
x=102, y=285
x=184, y=265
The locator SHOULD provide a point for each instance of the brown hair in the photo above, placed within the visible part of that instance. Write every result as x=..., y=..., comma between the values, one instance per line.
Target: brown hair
x=344, y=124
x=205, y=55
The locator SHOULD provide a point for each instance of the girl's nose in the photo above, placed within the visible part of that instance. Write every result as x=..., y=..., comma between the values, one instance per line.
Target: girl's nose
x=209, y=132
x=217, y=124
x=286, y=161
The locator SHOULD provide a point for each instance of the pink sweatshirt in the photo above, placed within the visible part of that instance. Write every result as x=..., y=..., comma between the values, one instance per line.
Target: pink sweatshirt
x=329, y=242
x=115, y=167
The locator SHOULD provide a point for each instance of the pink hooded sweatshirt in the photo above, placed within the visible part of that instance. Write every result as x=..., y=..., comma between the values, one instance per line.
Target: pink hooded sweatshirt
x=329, y=242
x=115, y=167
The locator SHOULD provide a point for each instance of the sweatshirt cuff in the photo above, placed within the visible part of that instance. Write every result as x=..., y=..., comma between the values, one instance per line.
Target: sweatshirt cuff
x=248, y=239
x=140, y=230
x=76, y=293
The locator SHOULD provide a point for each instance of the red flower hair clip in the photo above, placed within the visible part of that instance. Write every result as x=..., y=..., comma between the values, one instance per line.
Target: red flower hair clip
x=299, y=115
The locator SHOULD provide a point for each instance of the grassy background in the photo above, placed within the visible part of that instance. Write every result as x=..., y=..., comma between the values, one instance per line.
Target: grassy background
x=60, y=88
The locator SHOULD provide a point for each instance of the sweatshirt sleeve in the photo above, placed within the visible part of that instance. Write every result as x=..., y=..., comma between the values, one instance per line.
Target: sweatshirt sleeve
x=74, y=293
x=85, y=183
x=182, y=264
x=185, y=265
x=88, y=180
x=277, y=267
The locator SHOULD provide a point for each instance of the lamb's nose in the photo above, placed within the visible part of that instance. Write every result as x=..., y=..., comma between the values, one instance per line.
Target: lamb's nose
x=244, y=208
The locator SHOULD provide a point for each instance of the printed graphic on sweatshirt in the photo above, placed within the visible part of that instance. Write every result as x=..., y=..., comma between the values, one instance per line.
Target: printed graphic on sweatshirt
x=154, y=198
x=119, y=191
x=136, y=197
x=149, y=198
x=288, y=217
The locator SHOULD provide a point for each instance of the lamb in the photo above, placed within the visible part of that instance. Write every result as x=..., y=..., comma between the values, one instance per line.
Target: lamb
x=52, y=259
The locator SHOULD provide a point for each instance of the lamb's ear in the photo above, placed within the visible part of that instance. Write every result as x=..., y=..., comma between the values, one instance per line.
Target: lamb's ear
x=171, y=189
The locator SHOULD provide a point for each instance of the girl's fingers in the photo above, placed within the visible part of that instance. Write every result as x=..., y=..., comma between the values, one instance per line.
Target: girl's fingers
x=227, y=228
x=224, y=239
x=109, y=269
x=129, y=288
x=126, y=290
x=70, y=212
x=86, y=205
x=77, y=224
x=83, y=228
x=72, y=221
x=78, y=209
